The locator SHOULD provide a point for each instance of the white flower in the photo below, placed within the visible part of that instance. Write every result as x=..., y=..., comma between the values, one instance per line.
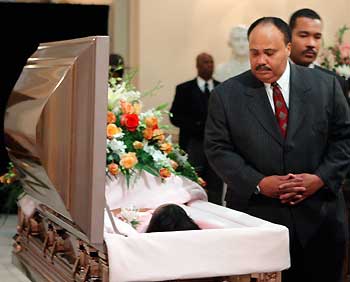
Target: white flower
x=169, y=139
x=152, y=113
x=112, y=98
x=117, y=147
x=181, y=159
x=132, y=95
x=158, y=156
x=119, y=135
x=147, y=114
x=343, y=70
x=129, y=214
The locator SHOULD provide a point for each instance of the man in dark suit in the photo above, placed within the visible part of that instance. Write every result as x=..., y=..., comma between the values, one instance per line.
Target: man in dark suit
x=279, y=136
x=306, y=27
x=189, y=112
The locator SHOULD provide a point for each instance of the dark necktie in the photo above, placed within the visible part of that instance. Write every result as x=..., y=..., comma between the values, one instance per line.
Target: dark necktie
x=206, y=90
x=281, y=111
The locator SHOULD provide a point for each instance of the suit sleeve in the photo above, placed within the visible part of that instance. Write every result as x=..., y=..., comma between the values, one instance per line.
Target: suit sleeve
x=222, y=155
x=345, y=87
x=335, y=164
x=182, y=116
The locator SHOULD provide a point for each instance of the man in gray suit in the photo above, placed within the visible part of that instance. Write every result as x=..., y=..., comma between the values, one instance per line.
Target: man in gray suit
x=279, y=136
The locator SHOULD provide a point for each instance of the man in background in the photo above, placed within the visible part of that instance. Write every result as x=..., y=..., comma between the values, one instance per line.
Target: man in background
x=116, y=66
x=189, y=113
x=306, y=26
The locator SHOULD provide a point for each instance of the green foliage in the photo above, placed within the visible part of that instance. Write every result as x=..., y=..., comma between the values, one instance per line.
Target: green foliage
x=341, y=33
x=10, y=189
x=8, y=196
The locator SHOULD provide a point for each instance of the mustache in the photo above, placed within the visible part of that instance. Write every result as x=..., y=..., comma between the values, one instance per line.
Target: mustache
x=262, y=67
x=309, y=50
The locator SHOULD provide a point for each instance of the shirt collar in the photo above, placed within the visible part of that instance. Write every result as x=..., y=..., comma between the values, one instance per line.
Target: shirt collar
x=201, y=82
x=283, y=81
x=311, y=66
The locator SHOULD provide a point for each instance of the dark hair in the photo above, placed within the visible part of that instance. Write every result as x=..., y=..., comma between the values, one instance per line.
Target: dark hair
x=171, y=217
x=277, y=22
x=306, y=13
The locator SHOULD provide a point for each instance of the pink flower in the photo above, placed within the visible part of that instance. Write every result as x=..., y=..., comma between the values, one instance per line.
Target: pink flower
x=344, y=50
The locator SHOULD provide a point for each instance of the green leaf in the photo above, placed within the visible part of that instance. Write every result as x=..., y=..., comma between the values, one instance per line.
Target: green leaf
x=109, y=159
x=162, y=107
x=127, y=177
x=148, y=168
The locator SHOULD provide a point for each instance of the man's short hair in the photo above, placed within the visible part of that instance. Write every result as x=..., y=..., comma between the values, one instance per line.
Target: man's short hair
x=303, y=13
x=277, y=22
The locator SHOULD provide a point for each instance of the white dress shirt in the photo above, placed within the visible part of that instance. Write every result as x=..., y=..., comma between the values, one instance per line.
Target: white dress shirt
x=283, y=84
x=201, y=84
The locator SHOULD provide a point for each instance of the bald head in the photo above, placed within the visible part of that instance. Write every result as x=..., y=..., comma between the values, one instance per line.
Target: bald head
x=205, y=66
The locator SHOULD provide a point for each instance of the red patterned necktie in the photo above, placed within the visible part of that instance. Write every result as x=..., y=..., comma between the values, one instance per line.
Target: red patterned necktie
x=281, y=111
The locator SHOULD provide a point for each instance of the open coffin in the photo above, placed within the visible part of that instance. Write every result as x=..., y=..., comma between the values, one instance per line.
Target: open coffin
x=55, y=136
x=230, y=242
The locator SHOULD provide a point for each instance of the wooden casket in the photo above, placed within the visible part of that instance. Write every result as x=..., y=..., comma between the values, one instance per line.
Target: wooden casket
x=55, y=136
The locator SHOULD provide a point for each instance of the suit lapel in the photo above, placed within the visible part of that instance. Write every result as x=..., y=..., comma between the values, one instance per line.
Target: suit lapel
x=297, y=102
x=261, y=109
x=198, y=97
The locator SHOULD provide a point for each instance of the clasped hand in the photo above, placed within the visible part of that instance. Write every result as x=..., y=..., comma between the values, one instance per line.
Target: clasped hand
x=291, y=188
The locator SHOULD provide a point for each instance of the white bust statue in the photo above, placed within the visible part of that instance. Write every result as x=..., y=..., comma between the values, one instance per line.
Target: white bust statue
x=239, y=61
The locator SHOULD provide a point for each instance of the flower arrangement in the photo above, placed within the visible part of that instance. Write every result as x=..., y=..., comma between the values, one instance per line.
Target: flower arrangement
x=10, y=190
x=10, y=176
x=137, y=141
x=337, y=57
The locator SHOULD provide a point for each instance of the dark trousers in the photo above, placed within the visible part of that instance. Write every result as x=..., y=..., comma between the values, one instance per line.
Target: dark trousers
x=321, y=260
x=197, y=158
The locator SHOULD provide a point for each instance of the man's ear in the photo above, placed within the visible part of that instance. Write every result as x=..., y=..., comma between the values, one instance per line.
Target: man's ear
x=289, y=48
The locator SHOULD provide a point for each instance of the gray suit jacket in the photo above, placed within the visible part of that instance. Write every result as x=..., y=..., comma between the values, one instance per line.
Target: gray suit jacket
x=243, y=144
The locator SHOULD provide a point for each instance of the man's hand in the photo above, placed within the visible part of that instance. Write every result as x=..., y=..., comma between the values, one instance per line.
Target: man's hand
x=270, y=185
x=289, y=191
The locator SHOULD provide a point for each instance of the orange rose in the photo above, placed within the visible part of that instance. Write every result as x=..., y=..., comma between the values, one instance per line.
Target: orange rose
x=112, y=130
x=111, y=118
x=174, y=164
x=137, y=108
x=158, y=135
x=113, y=168
x=126, y=107
x=128, y=160
x=201, y=182
x=137, y=145
x=2, y=179
x=166, y=148
x=151, y=122
x=148, y=133
x=130, y=121
x=164, y=172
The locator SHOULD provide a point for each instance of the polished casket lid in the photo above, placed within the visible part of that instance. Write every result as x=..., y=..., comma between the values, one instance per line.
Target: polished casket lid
x=55, y=130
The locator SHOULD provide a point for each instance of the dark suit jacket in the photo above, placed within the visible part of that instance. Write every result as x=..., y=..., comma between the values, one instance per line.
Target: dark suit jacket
x=189, y=110
x=243, y=144
x=342, y=81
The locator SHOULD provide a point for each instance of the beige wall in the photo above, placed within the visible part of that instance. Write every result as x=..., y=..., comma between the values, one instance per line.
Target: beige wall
x=166, y=35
